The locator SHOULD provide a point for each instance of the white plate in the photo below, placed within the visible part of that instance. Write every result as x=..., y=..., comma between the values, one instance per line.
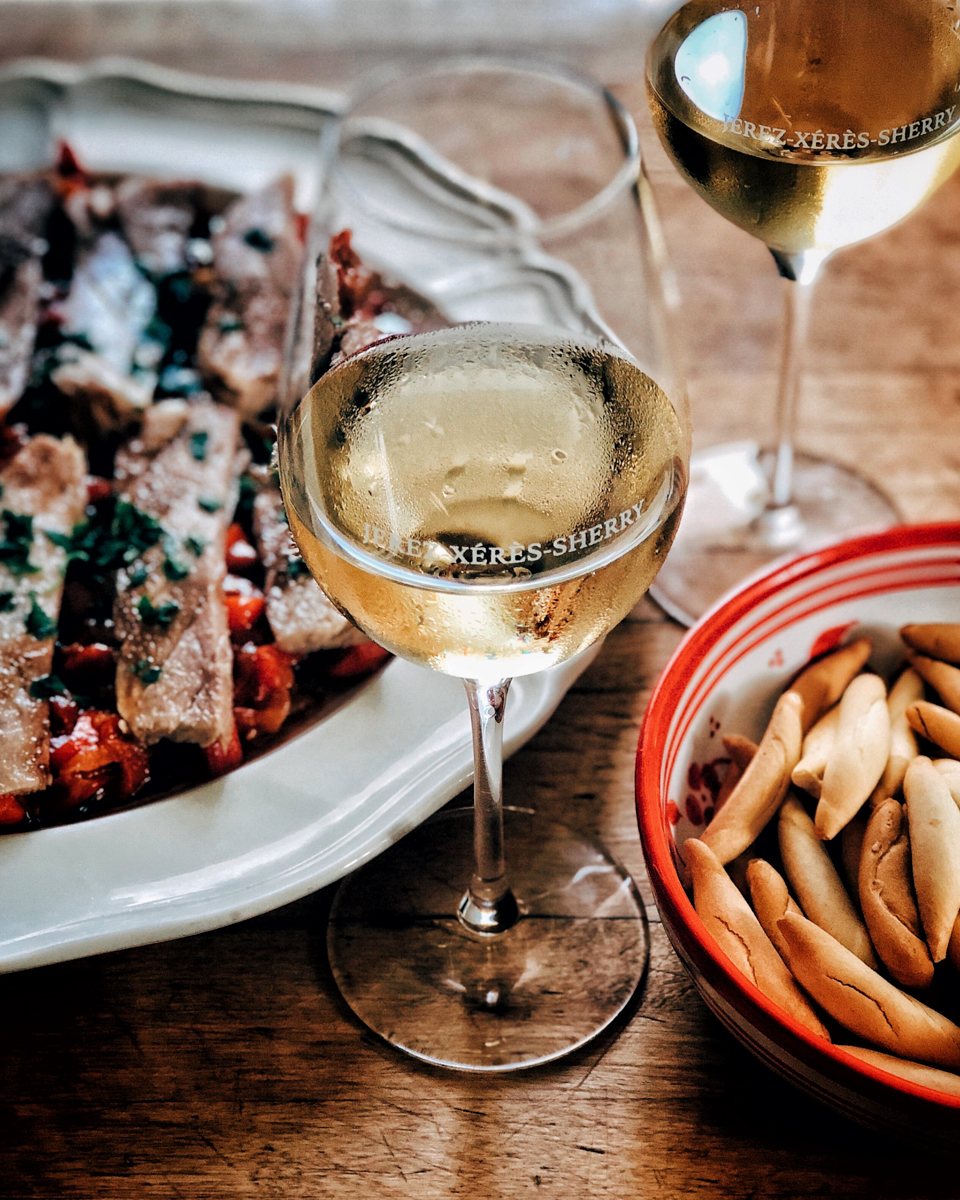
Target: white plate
x=314, y=809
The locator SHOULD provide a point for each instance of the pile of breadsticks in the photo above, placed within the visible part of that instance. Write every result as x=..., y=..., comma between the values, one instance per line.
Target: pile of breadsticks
x=868, y=841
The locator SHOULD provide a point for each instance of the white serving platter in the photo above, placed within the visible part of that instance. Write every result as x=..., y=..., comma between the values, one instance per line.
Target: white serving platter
x=309, y=812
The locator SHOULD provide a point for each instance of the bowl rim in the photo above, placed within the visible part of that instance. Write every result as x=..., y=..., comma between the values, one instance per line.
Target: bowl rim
x=676, y=908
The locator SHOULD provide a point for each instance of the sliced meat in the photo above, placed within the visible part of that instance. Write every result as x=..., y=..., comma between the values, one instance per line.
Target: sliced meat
x=110, y=303
x=25, y=205
x=300, y=616
x=110, y=400
x=110, y=306
x=256, y=256
x=174, y=675
x=43, y=490
x=156, y=219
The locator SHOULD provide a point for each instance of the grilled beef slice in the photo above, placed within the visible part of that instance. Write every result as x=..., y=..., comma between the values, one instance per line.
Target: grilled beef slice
x=256, y=257
x=43, y=489
x=300, y=616
x=174, y=675
x=156, y=219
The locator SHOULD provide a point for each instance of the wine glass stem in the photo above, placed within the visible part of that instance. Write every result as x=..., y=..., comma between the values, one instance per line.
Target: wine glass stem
x=489, y=906
x=800, y=272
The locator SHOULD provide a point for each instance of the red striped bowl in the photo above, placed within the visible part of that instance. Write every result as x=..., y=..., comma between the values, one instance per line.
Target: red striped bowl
x=724, y=678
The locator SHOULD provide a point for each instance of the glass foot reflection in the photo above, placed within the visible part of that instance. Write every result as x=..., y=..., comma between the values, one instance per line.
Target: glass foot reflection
x=725, y=533
x=411, y=971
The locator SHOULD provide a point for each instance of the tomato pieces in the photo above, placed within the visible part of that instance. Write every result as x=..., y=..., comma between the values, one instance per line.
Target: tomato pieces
x=12, y=811
x=97, y=761
x=241, y=556
x=224, y=756
x=262, y=679
x=244, y=603
x=358, y=660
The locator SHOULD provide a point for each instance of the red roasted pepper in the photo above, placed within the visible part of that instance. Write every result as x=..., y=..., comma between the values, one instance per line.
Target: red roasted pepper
x=241, y=556
x=95, y=663
x=12, y=811
x=244, y=603
x=263, y=677
x=358, y=660
x=97, y=759
x=224, y=756
x=97, y=488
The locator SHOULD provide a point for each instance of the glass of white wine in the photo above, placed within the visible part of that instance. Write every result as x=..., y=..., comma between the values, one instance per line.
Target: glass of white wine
x=483, y=456
x=811, y=124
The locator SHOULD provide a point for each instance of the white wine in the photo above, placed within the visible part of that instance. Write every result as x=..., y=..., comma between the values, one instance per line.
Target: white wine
x=486, y=500
x=811, y=125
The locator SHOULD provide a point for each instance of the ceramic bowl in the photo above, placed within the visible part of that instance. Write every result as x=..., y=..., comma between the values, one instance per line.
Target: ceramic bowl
x=724, y=678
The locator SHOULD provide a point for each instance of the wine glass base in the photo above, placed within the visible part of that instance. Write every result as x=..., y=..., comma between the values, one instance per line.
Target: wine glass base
x=725, y=535
x=565, y=971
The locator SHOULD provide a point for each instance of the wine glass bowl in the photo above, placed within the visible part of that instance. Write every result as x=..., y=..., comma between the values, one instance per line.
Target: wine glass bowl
x=485, y=485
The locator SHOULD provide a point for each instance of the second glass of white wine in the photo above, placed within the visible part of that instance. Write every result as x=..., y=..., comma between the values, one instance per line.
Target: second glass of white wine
x=813, y=125
x=486, y=491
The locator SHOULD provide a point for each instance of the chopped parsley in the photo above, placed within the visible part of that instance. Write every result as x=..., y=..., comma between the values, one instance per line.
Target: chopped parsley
x=259, y=240
x=138, y=576
x=47, y=686
x=39, y=625
x=198, y=444
x=229, y=323
x=195, y=545
x=248, y=493
x=111, y=539
x=146, y=671
x=210, y=504
x=297, y=567
x=7, y=601
x=161, y=614
x=175, y=570
x=17, y=543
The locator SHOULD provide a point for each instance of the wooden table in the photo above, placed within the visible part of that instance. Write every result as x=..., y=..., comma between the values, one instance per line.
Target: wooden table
x=225, y=1065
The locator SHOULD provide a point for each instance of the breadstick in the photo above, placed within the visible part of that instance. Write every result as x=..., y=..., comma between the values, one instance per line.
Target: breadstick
x=763, y=785
x=940, y=1081
x=937, y=724
x=934, y=822
x=770, y=898
x=851, y=848
x=949, y=768
x=737, y=931
x=953, y=950
x=822, y=684
x=808, y=773
x=903, y=741
x=863, y=1001
x=858, y=755
x=741, y=749
x=934, y=640
x=942, y=677
x=887, y=898
x=816, y=884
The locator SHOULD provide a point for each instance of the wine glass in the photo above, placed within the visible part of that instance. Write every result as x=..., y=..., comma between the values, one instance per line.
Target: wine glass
x=486, y=490
x=811, y=124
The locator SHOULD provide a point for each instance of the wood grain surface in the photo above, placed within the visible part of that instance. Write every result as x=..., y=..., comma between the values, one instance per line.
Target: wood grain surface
x=225, y=1065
